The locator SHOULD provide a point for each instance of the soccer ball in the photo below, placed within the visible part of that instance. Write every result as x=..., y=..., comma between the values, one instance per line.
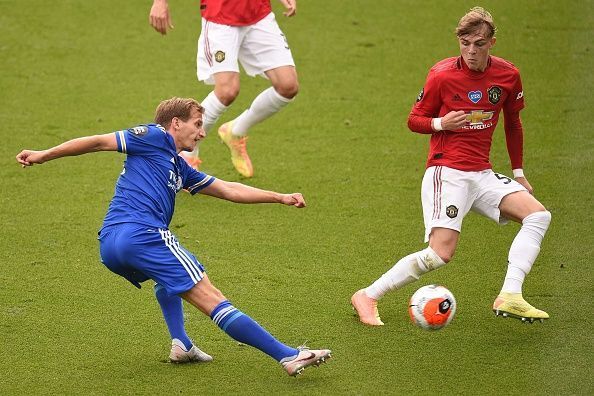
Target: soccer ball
x=432, y=307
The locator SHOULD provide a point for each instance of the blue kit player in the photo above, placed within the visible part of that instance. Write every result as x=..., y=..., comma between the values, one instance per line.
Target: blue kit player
x=136, y=243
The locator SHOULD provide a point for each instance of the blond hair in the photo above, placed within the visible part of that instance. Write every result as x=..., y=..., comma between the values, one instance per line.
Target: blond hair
x=176, y=107
x=474, y=20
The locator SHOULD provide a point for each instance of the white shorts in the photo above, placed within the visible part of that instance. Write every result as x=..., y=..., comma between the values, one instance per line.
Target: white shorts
x=259, y=48
x=449, y=194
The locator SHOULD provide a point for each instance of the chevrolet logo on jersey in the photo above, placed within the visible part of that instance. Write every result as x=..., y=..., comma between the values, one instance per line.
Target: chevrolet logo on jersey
x=479, y=116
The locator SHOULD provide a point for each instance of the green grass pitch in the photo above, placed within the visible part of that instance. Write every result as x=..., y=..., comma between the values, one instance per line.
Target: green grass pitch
x=68, y=326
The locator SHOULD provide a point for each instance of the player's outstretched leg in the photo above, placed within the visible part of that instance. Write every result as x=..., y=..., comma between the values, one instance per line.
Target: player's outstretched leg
x=244, y=329
x=238, y=147
x=408, y=269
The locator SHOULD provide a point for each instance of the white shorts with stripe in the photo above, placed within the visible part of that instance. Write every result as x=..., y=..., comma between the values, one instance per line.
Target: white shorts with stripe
x=259, y=47
x=449, y=194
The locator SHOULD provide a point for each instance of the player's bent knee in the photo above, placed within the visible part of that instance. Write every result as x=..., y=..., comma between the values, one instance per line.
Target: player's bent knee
x=227, y=93
x=541, y=219
x=287, y=90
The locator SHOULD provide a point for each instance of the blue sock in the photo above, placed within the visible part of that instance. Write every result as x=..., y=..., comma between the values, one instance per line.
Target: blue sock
x=244, y=329
x=173, y=312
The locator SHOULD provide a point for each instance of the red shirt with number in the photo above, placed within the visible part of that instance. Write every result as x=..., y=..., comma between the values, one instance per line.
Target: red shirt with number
x=235, y=12
x=451, y=86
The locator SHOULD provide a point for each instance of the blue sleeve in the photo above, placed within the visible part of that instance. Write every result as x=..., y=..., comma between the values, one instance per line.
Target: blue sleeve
x=140, y=140
x=194, y=181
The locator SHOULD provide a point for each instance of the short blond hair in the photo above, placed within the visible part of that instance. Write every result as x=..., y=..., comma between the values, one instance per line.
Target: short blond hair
x=176, y=107
x=474, y=20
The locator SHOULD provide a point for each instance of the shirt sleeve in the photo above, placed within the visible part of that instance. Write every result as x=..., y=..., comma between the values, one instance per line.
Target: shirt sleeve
x=515, y=100
x=194, y=180
x=514, y=137
x=140, y=140
x=426, y=107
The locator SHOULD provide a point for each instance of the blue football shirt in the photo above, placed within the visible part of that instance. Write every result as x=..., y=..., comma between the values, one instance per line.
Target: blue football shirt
x=153, y=174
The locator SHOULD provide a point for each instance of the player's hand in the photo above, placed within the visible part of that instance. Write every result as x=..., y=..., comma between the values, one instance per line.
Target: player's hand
x=524, y=182
x=30, y=157
x=453, y=120
x=290, y=6
x=295, y=199
x=159, y=17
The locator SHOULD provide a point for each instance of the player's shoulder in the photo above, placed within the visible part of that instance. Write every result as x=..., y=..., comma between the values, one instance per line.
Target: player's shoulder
x=445, y=65
x=503, y=65
x=145, y=129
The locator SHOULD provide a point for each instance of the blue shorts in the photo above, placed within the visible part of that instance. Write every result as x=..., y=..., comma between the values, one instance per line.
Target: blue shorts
x=138, y=253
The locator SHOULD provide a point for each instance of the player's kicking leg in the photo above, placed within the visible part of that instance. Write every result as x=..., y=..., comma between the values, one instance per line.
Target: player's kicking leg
x=405, y=271
x=244, y=329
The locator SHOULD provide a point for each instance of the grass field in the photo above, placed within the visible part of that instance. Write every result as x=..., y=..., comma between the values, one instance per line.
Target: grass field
x=69, y=326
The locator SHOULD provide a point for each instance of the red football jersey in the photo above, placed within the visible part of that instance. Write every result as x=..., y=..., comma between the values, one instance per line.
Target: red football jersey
x=451, y=86
x=235, y=12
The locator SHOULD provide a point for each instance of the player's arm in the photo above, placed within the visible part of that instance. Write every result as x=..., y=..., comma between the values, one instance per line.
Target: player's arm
x=159, y=17
x=452, y=121
x=240, y=193
x=424, y=117
x=290, y=7
x=514, y=139
x=78, y=146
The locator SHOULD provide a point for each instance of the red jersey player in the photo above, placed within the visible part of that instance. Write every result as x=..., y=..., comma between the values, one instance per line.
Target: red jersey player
x=460, y=106
x=233, y=32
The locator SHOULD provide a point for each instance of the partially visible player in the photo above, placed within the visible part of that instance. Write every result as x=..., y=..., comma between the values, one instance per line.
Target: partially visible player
x=459, y=107
x=136, y=243
x=233, y=32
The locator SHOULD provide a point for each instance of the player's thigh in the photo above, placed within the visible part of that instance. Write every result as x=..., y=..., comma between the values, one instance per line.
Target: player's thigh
x=516, y=206
x=218, y=50
x=115, y=248
x=492, y=188
x=446, y=198
x=264, y=48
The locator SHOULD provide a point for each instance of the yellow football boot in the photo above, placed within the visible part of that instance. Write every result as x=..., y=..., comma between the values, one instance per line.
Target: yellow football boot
x=513, y=305
x=237, y=145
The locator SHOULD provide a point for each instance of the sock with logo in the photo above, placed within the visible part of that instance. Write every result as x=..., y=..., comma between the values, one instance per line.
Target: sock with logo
x=407, y=270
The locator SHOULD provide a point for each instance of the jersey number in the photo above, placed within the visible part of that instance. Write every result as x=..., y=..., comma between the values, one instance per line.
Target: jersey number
x=506, y=180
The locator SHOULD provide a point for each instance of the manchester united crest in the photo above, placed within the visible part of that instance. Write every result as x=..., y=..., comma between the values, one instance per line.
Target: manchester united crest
x=452, y=211
x=219, y=56
x=494, y=94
